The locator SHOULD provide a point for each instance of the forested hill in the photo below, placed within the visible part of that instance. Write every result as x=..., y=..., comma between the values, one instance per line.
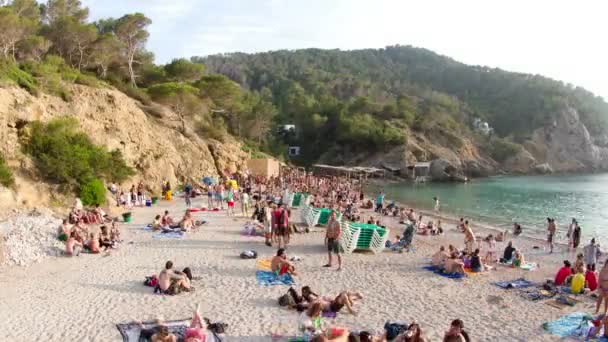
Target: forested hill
x=416, y=86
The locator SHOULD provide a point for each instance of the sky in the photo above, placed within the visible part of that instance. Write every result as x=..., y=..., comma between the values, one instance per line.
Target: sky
x=564, y=40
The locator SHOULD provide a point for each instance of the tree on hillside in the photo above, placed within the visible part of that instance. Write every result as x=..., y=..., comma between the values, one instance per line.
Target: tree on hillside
x=13, y=29
x=131, y=31
x=33, y=48
x=180, y=97
x=27, y=9
x=105, y=52
x=55, y=10
x=182, y=70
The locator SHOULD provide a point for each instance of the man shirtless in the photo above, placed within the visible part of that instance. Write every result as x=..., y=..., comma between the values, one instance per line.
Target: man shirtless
x=603, y=289
x=280, y=265
x=332, y=240
x=168, y=276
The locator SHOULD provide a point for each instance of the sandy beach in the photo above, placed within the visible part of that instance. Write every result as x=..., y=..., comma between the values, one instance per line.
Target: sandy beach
x=82, y=298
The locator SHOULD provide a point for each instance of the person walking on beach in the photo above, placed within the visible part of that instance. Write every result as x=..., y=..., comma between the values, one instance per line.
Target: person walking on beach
x=570, y=234
x=437, y=205
x=332, y=240
x=551, y=229
x=591, y=252
x=379, y=202
x=469, y=238
x=576, y=236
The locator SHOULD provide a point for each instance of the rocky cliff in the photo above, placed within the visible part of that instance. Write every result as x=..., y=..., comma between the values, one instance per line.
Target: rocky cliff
x=563, y=146
x=153, y=144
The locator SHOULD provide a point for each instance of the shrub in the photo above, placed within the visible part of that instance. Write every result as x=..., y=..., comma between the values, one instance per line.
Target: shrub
x=10, y=71
x=93, y=192
x=502, y=149
x=66, y=156
x=6, y=175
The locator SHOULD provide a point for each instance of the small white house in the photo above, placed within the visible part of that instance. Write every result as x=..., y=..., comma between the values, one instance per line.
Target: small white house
x=482, y=127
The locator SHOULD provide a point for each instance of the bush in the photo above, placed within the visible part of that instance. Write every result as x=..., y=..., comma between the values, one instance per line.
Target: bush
x=66, y=156
x=10, y=71
x=93, y=192
x=501, y=149
x=6, y=175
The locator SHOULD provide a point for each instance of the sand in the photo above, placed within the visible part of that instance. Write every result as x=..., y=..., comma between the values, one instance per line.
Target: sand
x=82, y=298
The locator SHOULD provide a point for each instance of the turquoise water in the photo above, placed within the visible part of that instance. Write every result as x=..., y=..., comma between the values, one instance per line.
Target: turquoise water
x=527, y=200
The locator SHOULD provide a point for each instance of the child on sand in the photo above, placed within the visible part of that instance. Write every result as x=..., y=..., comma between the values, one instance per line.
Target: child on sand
x=491, y=253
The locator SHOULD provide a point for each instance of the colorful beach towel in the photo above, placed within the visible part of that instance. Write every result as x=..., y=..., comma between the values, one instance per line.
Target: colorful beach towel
x=131, y=331
x=267, y=278
x=568, y=325
x=437, y=271
x=529, y=266
x=514, y=284
x=263, y=264
x=172, y=235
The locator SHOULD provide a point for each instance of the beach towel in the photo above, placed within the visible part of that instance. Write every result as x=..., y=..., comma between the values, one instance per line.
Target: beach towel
x=263, y=264
x=514, y=284
x=435, y=270
x=131, y=331
x=567, y=325
x=267, y=278
x=529, y=266
x=172, y=235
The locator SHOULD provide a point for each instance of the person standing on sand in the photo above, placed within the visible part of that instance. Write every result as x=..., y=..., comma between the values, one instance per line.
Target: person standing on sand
x=332, y=240
x=551, y=229
x=603, y=289
x=591, y=252
x=379, y=202
x=469, y=238
x=576, y=236
x=570, y=234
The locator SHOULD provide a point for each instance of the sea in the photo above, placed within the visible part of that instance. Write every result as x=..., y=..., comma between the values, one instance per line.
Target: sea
x=527, y=200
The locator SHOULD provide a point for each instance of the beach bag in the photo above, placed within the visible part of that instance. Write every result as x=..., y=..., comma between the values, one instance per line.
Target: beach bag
x=151, y=281
x=286, y=300
x=394, y=329
x=249, y=255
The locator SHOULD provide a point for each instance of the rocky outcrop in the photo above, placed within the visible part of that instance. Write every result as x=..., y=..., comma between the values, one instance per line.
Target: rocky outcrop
x=154, y=145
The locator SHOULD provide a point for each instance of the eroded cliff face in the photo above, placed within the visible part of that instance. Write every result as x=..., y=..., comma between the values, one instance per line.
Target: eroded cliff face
x=563, y=146
x=154, y=145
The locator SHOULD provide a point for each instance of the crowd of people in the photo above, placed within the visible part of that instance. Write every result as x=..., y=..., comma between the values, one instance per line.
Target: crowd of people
x=88, y=230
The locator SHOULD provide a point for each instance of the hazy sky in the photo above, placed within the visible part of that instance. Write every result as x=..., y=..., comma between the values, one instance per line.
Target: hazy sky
x=565, y=40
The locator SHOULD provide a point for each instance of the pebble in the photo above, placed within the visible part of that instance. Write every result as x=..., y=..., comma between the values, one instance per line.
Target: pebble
x=29, y=237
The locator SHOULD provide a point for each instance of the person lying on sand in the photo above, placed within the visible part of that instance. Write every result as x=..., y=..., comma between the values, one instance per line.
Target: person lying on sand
x=456, y=333
x=280, y=265
x=344, y=298
x=163, y=335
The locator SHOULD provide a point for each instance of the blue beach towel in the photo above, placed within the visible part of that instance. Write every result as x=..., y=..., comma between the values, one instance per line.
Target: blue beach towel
x=270, y=278
x=514, y=284
x=437, y=271
x=172, y=235
x=567, y=325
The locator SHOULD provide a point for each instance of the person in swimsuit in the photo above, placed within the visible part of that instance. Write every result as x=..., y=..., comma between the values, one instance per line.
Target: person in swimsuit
x=603, y=289
x=280, y=265
x=332, y=240
x=551, y=228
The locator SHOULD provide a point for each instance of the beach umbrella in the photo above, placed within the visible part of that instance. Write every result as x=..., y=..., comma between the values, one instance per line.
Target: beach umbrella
x=208, y=181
